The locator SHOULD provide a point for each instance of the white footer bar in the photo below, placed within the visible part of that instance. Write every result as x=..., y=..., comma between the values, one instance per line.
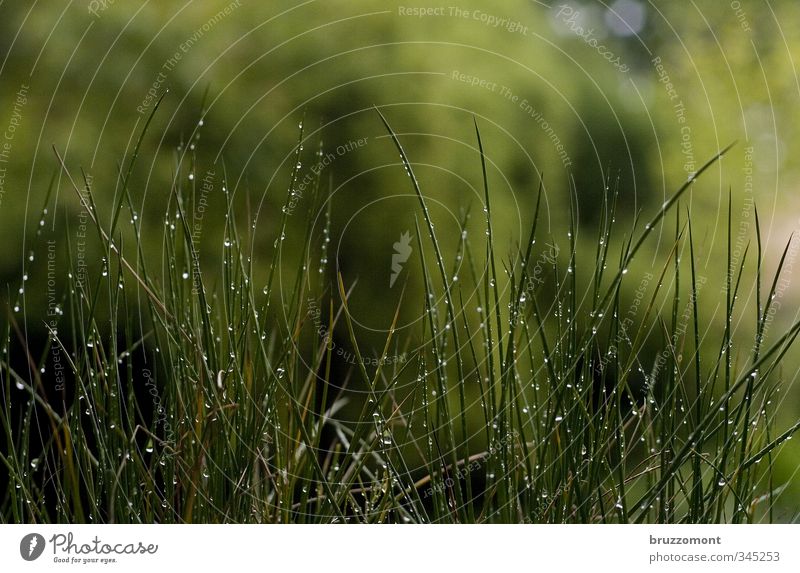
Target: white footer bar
x=402, y=548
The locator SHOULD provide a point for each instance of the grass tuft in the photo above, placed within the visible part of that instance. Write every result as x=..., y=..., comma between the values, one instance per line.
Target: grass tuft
x=550, y=386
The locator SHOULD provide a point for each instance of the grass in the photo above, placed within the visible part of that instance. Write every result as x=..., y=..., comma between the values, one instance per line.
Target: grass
x=584, y=388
